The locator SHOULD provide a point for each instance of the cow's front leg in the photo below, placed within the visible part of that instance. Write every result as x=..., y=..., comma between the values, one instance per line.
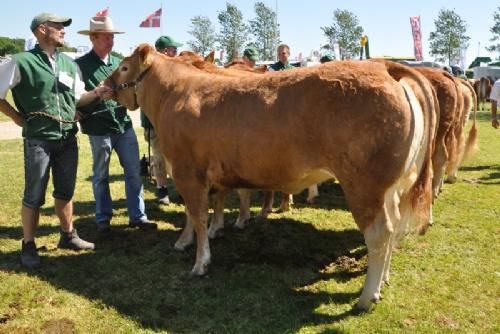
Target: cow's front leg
x=196, y=201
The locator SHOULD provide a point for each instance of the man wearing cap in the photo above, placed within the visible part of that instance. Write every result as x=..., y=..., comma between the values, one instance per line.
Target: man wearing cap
x=109, y=128
x=167, y=46
x=46, y=87
x=282, y=64
x=250, y=56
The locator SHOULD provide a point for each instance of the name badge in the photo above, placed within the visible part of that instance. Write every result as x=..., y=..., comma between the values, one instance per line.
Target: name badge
x=66, y=80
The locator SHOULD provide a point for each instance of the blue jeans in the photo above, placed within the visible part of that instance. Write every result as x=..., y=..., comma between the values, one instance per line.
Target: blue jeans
x=127, y=148
x=41, y=156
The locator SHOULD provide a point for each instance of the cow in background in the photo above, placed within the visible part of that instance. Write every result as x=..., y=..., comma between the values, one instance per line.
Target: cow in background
x=482, y=87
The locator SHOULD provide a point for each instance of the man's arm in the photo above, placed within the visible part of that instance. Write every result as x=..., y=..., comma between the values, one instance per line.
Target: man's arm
x=8, y=110
x=101, y=92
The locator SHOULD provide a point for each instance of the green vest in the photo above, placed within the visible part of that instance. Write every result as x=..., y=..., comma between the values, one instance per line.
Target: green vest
x=279, y=66
x=42, y=89
x=103, y=117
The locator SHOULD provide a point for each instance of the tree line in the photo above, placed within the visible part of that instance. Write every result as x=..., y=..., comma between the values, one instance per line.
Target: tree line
x=262, y=32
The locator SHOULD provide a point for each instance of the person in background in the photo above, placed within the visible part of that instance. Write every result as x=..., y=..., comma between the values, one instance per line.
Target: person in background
x=282, y=64
x=46, y=87
x=326, y=58
x=495, y=98
x=250, y=56
x=109, y=128
x=167, y=46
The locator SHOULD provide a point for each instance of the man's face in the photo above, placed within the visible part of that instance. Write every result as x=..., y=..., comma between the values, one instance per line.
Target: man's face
x=170, y=51
x=52, y=33
x=250, y=63
x=102, y=42
x=283, y=55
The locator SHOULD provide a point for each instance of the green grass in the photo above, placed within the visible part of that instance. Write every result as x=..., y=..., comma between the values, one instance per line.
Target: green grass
x=299, y=272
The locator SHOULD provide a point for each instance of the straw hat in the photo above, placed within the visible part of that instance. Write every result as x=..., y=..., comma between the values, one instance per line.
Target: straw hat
x=100, y=24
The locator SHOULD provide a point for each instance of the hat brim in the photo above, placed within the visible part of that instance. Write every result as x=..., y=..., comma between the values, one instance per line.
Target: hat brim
x=65, y=21
x=175, y=44
x=88, y=32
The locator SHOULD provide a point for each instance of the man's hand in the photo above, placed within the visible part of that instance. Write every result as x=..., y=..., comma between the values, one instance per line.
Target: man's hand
x=494, y=123
x=103, y=92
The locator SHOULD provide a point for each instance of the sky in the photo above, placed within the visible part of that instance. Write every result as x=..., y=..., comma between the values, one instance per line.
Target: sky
x=386, y=23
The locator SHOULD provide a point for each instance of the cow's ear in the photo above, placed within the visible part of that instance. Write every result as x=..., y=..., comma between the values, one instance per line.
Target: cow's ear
x=211, y=57
x=146, y=53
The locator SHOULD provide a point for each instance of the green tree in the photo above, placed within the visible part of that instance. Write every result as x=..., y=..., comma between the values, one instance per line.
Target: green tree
x=10, y=46
x=495, y=30
x=346, y=32
x=203, y=32
x=265, y=28
x=233, y=33
x=445, y=42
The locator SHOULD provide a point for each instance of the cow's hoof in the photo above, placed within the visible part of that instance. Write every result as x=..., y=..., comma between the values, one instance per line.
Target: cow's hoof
x=199, y=270
x=180, y=246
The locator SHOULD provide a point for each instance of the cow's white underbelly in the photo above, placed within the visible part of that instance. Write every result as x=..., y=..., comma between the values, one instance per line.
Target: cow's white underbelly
x=312, y=177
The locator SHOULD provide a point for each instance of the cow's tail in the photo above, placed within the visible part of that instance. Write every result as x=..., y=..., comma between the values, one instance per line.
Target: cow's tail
x=416, y=204
x=471, y=146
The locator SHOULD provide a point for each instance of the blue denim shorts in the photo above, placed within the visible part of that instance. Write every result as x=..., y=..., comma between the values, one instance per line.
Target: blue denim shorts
x=41, y=156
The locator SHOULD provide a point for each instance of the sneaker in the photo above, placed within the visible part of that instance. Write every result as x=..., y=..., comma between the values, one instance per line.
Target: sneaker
x=29, y=255
x=103, y=227
x=71, y=240
x=144, y=225
x=162, y=195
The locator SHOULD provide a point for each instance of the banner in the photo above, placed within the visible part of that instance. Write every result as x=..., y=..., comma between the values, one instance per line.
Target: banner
x=152, y=21
x=417, y=40
x=103, y=12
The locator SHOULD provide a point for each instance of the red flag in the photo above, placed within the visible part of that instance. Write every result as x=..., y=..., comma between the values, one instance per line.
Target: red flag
x=417, y=41
x=103, y=12
x=152, y=21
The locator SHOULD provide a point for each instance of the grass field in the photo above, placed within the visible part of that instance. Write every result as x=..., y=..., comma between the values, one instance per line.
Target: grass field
x=299, y=272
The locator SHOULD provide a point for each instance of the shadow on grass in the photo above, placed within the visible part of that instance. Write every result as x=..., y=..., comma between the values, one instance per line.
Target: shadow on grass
x=259, y=280
x=492, y=172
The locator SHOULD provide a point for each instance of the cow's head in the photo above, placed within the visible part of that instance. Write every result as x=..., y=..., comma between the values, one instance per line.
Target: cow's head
x=129, y=74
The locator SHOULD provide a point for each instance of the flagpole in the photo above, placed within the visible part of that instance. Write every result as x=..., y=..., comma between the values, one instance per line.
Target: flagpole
x=161, y=20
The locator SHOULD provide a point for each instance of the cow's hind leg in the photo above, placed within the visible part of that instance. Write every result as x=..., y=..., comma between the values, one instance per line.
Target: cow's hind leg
x=267, y=206
x=244, y=214
x=217, y=222
x=187, y=235
x=312, y=193
x=378, y=241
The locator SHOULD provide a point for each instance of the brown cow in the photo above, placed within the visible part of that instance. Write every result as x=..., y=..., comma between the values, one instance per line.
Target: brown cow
x=371, y=127
x=482, y=87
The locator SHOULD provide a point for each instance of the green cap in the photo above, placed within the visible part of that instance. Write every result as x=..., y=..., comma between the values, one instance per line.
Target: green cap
x=251, y=53
x=49, y=17
x=326, y=58
x=166, y=41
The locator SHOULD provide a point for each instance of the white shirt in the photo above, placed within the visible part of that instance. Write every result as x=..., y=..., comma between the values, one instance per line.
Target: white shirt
x=10, y=77
x=495, y=91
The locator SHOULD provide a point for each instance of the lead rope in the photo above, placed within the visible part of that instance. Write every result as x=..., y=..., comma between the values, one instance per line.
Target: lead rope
x=52, y=117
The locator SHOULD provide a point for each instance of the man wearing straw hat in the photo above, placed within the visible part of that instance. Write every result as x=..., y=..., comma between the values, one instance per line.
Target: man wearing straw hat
x=110, y=128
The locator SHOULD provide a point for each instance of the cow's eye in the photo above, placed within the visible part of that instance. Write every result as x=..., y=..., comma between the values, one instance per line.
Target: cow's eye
x=124, y=68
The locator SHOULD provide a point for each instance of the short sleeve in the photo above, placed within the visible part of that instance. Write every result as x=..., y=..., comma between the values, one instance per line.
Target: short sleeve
x=9, y=76
x=495, y=91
